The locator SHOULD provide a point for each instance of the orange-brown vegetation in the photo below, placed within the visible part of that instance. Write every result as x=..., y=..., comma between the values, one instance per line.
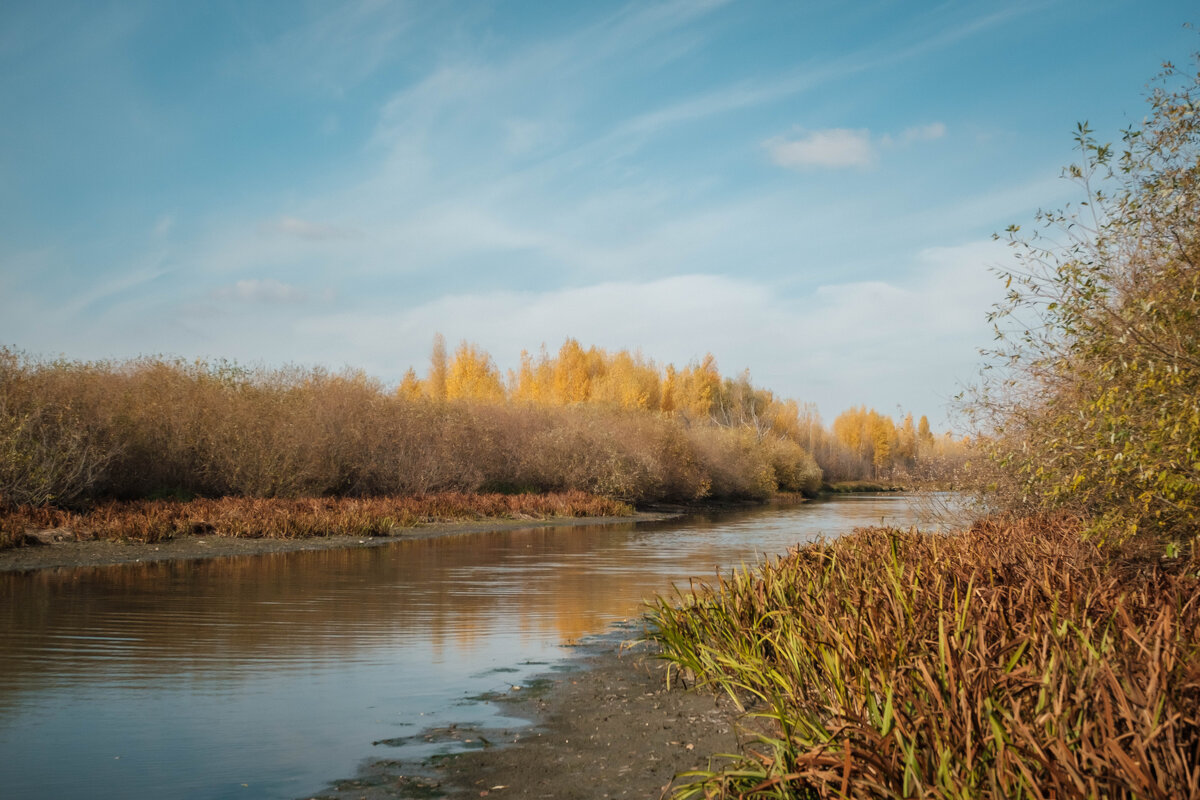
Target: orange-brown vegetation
x=870, y=445
x=1013, y=659
x=73, y=434
x=1091, y=398
x=281, y=518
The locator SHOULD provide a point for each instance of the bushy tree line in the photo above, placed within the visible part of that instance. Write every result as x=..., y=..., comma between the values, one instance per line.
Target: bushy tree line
x=1092, y=401
x=72, y=432
x=862, y=444
x=615, y=424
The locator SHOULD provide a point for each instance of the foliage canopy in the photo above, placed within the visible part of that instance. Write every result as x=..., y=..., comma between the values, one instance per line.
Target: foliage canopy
x=1092, y=397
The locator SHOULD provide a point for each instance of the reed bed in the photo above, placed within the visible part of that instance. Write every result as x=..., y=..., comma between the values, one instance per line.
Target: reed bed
x=279, y=518
x=1011, y=660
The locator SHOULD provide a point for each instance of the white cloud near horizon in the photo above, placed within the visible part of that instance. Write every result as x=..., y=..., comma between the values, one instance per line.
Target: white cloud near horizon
x=909, y=340
x=833, y=148
x=508, y=189
x=906, y=339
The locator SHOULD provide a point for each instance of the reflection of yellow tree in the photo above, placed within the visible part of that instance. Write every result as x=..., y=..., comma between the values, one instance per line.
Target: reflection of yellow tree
x=321, y=606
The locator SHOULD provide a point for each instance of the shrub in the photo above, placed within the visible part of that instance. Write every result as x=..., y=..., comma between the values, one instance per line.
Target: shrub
x=73, y=433
x=1094, y=406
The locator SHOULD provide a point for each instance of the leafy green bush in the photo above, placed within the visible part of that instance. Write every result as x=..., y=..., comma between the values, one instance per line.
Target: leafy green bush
x=1092, y=401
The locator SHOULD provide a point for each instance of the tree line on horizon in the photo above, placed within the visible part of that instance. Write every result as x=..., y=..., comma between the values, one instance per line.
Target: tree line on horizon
x=861, y=444
x=614, y=424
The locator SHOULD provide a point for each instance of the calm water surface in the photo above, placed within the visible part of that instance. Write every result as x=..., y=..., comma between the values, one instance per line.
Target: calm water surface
x=268, y=676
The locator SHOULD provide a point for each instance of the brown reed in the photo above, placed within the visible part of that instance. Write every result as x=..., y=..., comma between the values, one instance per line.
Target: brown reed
x=1010, y=660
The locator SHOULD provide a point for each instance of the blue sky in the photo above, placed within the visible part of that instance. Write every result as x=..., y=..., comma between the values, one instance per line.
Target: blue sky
x=804, y=189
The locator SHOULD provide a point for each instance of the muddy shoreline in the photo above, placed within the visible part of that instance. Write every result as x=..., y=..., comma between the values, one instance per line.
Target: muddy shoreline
x=606, y=727
x=71, y=554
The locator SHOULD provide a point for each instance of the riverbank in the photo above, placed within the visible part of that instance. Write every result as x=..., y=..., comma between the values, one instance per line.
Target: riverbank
x=1016, y=657
x=857, y=487
x=70, y=553
x=608, y=728
x=146, y=531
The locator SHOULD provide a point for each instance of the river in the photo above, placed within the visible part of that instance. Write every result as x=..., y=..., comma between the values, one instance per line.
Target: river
x=268, y=676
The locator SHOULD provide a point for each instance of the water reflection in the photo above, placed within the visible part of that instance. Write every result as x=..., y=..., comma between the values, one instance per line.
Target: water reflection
x=266, y=676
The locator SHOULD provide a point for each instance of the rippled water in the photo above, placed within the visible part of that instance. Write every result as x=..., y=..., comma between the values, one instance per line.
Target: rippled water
x=268, y=676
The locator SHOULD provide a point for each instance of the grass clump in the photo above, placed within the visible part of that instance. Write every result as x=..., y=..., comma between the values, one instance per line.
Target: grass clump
x=1010, y=660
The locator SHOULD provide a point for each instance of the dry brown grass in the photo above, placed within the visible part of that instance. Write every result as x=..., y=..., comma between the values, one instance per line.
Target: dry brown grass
x=253, y=518
x=1010, y=660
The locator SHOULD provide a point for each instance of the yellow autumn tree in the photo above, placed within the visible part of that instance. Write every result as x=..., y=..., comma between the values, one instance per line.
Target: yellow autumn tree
x=883, y=441
x=435, y=383
x=572, y=375
x=472, y=375
x=850, y=429
x=906, y=441
x=534, y=380
x=699, y=386
x=410, y=387
x=669, y=394
x=868, y=434
x=627, y=381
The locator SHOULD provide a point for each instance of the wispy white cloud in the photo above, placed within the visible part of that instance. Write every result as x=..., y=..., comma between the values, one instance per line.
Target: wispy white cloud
x=464, y=91
x=638, y=23
x=835, y=148
x=509, y=160
x=923, y=133
x=527, y=136
x=839, y=148
x=918, y=133
x=331, y=50
x=305, y=229
x=268, y=290
x=164, y=225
